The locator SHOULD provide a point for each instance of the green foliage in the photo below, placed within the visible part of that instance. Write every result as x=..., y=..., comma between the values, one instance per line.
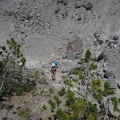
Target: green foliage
x=44, y=107
x=118, y=100
x=79, y=105
x=58, y=101
x=107, y=89
x=75, y=80
x=76, y=72
x=2, y=67
x=115, y=103
x=97, y=97
x=96, y=85
x=62, y=91
x=114, y=100
x=92, y=109
x=16, y=87
x=52, y=104
x=75, y=117
x=15, y=49
x=88, y=55
x=93, y=93
x=93, y=66
x=81, y=61
x=119, y=117
x=36, y=75
x=12, y=63
x=62, y=115
x=70, y=97
x=51, y=90
x=81, y=76
x=3, y=105
x=24, y=113
x=90, y=117
x=93, y=74
x=69, y=82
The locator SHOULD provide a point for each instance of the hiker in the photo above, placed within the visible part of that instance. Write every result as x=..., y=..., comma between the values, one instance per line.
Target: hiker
x=54, y=69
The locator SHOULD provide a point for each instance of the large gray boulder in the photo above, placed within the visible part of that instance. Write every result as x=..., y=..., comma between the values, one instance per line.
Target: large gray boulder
x=74, y=48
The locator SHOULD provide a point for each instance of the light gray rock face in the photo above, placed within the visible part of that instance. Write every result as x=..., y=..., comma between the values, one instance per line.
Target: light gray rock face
x=35, y=117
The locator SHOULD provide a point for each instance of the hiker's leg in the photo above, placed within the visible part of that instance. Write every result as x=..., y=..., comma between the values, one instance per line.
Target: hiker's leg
x=52, y=75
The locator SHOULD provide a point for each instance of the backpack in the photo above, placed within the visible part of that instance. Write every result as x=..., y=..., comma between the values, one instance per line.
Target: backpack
x=55, y=63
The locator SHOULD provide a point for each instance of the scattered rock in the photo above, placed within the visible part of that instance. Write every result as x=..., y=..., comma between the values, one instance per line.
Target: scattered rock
x=101, y=56
x=95, y=43
x=88, y=6
x=55, y=117
x=11, y=13
x=79, y=17
x=68, y=111
x=108, y=74
x=100, y=42
x=64, y=2
x=97, y=35
x=118, y=85
x=64, y=57
x=35, y=117
x=57, y=10
x=115, y=37
x=77, y=5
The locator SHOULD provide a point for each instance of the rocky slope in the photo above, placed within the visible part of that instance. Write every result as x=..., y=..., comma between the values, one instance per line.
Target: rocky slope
x=44, y=28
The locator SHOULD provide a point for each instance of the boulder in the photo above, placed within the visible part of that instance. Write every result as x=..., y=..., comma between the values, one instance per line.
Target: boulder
x=57, y=10
x=88, y=6
x=77, y=5
x=64, y=2
x=74, y=48
x=115, y=37
x=97, y=34
x=100, y=42
x=112, y=83
x=118, y=85
x=102, y=56
x=11, y=13
x=108, y=74
x=79, y=17
x=55, y=117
